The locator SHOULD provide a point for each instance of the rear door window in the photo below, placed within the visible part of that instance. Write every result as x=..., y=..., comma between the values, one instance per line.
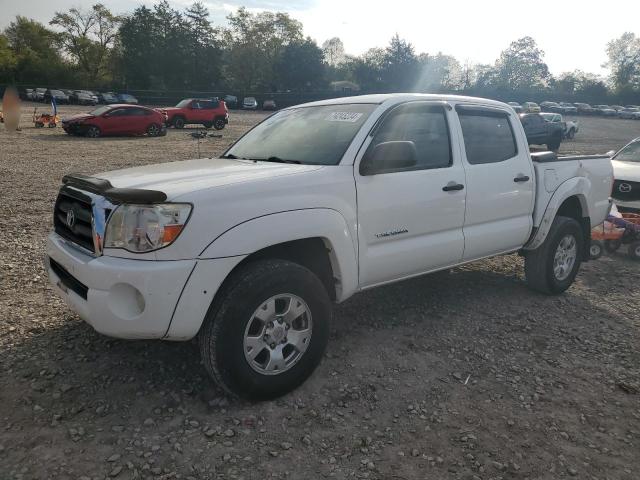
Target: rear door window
x=488, y=136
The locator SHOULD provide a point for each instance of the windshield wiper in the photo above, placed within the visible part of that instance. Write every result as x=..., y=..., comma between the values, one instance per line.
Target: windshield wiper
x=276, y=160
x=232, y=157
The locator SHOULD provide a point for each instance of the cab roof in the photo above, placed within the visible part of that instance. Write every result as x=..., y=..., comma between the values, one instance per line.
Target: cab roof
x=403, y=97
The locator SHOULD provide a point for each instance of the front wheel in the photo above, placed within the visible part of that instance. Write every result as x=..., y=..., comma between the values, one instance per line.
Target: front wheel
x=267, y=331
x=93, y=132
x=178, y=122
x=153, y=130
x=553, y=266
x=219, y=123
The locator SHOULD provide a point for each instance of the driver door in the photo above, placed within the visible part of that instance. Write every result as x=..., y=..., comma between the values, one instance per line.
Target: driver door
x=410, y=220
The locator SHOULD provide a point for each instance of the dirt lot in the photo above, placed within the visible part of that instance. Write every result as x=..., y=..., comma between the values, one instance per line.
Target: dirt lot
x=461, y=374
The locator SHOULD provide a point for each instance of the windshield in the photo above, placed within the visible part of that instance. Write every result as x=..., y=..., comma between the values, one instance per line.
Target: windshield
x=183, y=103
x=630, y=153
x=100, y=110
x=310, y=135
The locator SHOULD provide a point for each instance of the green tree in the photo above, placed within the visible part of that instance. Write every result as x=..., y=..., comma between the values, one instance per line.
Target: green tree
x=438, y=72
x=333, y=52
x=8, y=61
x=521, y=66
x=37, y=60
x=301, y=66
x=399, y=65
x=624, y=62
x=204, y=50
x=255, y=44
x=88, y=36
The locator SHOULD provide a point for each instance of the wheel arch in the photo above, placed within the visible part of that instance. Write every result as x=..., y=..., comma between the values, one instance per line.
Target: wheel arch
x=568, y=200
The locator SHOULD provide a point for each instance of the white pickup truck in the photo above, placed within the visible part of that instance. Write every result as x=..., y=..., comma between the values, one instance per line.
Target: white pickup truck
x=317, y=202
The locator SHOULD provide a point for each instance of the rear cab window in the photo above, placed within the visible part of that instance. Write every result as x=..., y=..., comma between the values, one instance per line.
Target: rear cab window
x=488, y=135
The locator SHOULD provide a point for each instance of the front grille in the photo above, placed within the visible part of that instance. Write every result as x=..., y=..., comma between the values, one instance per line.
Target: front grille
x=77, y=225
x=626, y=191
x=68, y=280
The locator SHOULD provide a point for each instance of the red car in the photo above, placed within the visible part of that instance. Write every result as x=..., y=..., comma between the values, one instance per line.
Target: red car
x=117, y=120
x=207, y=112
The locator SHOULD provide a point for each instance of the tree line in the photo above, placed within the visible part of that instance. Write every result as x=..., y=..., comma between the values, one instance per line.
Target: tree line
x=164, y=48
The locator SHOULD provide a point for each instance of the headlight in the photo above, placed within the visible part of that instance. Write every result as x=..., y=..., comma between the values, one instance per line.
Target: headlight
x=144, y=228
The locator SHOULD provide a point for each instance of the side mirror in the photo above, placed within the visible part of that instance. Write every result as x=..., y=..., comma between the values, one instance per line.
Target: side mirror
x=389, y=156
x=610, y=153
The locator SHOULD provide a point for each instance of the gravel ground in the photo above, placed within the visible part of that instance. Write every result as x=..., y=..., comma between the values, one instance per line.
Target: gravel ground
x=460, y=374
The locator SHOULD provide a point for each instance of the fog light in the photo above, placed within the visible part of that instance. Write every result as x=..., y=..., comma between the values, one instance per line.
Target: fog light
x=125, y=301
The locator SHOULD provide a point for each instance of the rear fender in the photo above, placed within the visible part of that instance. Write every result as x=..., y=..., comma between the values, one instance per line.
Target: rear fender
x=266, y=231
x=574, y=187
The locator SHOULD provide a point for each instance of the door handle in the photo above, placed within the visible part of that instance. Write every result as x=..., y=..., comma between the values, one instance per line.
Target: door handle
x=521, y=178
x=451, y=186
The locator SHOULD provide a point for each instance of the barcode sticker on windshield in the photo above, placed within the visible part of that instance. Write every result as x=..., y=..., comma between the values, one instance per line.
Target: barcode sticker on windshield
x=344, y=117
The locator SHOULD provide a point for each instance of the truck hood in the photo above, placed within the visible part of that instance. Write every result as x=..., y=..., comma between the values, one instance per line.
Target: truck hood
x=183, y=177
x=626, y=170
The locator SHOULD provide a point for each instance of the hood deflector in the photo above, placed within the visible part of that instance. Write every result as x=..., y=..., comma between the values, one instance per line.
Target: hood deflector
x=103, y=187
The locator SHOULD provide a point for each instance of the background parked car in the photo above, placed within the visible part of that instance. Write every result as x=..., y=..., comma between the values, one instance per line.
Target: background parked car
x=516, y=106
x=551, y=107
x=205, y=111
x=38, y=94
x=605, y=110
x=269, y=105
x=250, y=103
x=59, y=95
x=107, y=98
x=630, y=113
x=541, y=132
x=626, y=172
x=569, y=127
x=82, y=97
x=568, y=108
x=119, y=119
x=126, y=98
x=231, y=101
x=27, y=94
x=530, y=107
x=585, y=109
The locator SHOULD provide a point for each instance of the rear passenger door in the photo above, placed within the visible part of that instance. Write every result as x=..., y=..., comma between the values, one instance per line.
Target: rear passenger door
x=500, y=182
x=410, y=219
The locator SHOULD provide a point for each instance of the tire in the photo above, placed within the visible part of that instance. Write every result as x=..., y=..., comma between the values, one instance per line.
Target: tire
x=565, y=239
x=634, y=250
x=178, y=122
x=612, y=246
x=219, y=123
x=571, y=133
x=153, y=130
x=207, y=124
x=554, y=144
x=92, y=132
x=596, y=249
x=232, y=318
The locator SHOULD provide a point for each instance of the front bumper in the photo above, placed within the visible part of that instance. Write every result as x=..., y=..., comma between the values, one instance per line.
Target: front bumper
x=118, y=297
x=136, y=299
x=633, y=207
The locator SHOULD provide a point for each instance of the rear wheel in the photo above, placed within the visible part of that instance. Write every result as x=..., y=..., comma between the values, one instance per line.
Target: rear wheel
x=153, y=130
x=93, y=132
x=219, y=123
x=267, y=331
x=634, y=250
x=178, y=122
x=596, y=249
x=554, y=144
x=553, y=266
x=207, y=124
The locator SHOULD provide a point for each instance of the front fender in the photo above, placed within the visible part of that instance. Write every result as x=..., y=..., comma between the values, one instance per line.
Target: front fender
x=262, y=232
x=574, y=187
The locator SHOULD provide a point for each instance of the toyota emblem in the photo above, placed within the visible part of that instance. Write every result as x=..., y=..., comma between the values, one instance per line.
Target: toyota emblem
x=71, y=218
x=624, y=188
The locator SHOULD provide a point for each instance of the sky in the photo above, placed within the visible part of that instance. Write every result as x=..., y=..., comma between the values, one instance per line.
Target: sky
x=573, y=34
